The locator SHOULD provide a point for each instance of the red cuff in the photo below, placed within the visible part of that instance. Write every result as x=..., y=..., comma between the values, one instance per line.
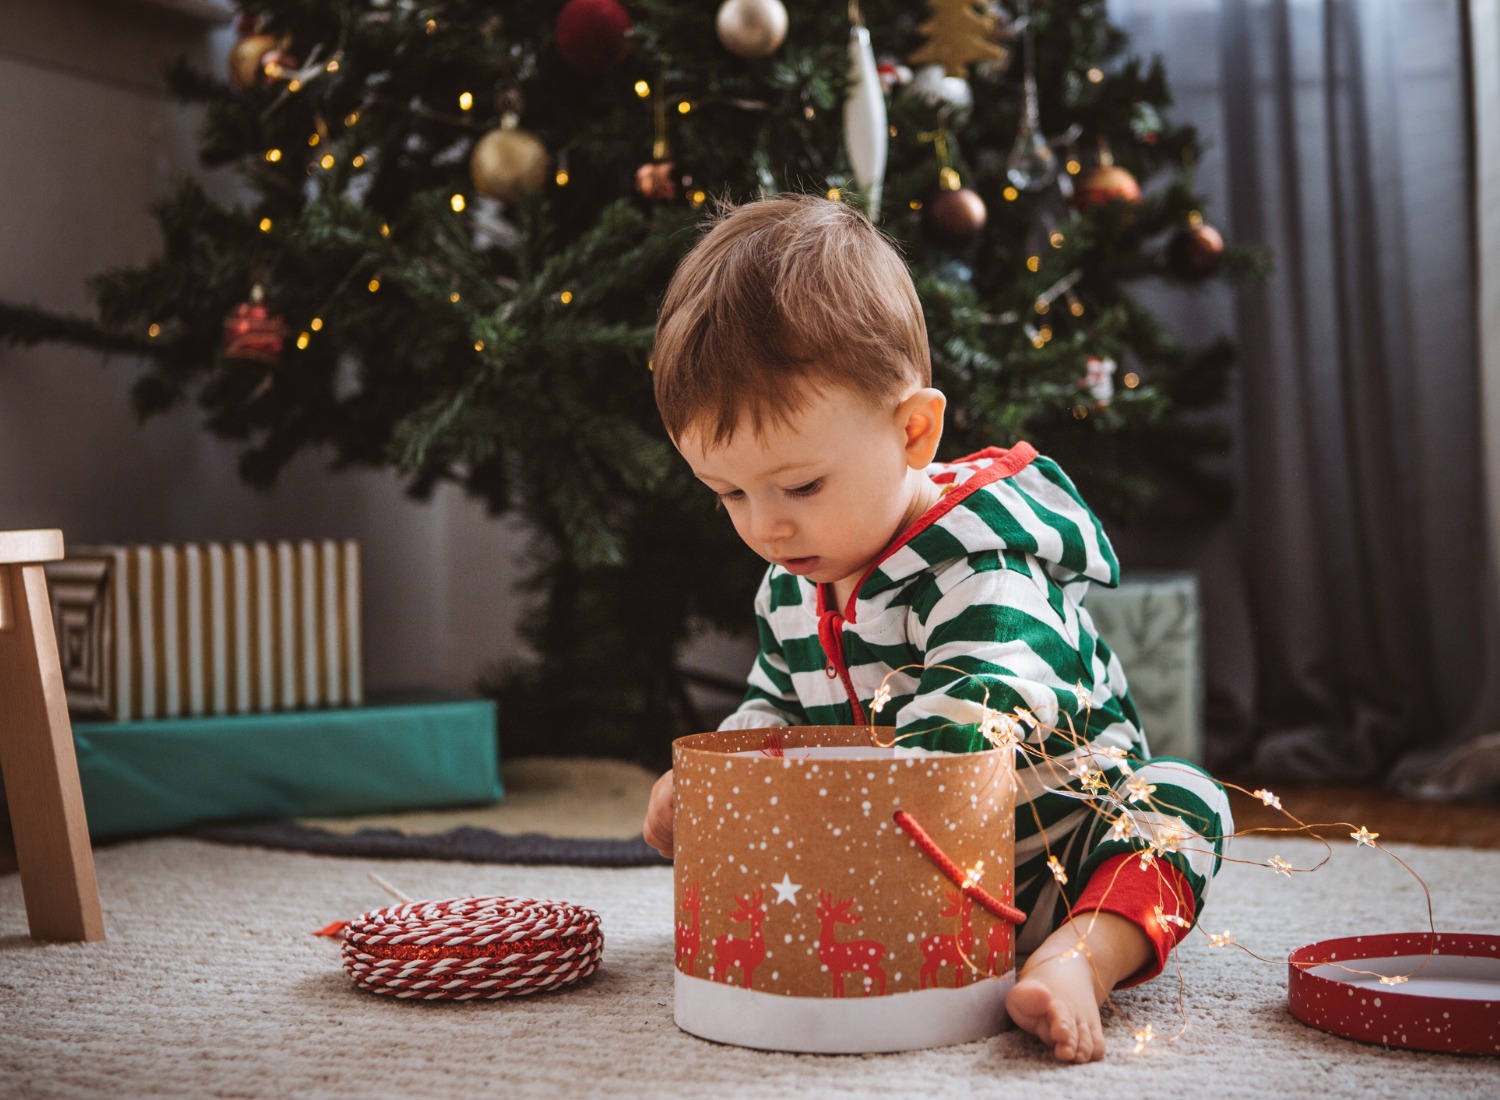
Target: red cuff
x=1149, y=898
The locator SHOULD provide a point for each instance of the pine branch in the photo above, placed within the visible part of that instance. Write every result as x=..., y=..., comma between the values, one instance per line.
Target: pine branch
x=28, y=326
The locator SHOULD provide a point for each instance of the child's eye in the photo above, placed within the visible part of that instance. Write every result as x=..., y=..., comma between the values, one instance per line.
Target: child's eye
x=721, y=498
x=807, y=490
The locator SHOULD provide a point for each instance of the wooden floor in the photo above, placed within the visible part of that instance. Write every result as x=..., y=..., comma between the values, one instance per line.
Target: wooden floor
x=1397, y=820
x=1339, y=810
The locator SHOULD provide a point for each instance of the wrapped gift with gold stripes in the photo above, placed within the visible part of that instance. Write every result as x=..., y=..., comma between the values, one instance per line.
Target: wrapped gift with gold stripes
x=176, y=630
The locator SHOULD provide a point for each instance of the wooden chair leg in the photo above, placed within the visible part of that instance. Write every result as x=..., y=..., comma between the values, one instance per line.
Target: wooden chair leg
x=41, y=768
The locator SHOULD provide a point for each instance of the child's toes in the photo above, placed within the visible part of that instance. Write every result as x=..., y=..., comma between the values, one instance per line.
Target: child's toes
x=1096, y=1044
x=1085, y=1048
x=1064, y=1035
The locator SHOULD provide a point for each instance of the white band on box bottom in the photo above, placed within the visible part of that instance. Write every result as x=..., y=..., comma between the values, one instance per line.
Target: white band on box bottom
x=841, y=1025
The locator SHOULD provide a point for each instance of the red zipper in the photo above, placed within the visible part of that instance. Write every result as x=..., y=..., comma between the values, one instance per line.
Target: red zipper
x=831, y=637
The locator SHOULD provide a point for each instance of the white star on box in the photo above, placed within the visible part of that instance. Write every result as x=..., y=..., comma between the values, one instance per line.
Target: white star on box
x=786, y=890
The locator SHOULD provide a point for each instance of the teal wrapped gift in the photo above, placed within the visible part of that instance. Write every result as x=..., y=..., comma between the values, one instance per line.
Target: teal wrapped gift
x=1152, y=623
x=153, y=776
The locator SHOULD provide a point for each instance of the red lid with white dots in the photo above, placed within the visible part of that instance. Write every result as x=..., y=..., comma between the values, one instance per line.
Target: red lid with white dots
x=1419, y=990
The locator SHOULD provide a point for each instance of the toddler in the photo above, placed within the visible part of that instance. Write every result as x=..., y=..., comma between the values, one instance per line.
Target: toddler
x=792, y=373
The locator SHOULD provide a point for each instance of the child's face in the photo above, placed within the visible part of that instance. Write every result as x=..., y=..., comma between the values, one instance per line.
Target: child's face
x=821, y=495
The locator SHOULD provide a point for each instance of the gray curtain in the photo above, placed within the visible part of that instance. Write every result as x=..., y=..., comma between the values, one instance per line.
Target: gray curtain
x=1358, y=636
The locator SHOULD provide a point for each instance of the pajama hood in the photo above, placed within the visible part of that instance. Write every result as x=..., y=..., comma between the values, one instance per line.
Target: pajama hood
x=1009, y=500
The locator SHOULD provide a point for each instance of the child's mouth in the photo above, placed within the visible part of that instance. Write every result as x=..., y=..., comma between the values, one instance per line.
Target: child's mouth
x=800, y=566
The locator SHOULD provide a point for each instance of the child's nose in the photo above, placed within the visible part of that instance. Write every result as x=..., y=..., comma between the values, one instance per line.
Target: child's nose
x=770, y=525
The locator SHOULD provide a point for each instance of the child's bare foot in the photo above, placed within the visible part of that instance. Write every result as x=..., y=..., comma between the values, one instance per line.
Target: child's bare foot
x=1059, y=990
x=1055, y=1001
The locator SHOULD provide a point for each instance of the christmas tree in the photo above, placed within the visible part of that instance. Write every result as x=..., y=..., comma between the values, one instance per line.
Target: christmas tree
x=457, y=219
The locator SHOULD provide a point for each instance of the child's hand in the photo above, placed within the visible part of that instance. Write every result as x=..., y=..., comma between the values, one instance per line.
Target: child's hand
x=658, y=827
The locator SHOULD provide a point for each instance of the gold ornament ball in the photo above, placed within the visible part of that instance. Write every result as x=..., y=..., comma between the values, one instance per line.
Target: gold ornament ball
x=506, y=163
x=244, y=58
x=752, y=28
x=1103, y=185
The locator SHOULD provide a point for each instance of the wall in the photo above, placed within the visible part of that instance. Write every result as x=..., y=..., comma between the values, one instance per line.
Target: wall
x=88, y=138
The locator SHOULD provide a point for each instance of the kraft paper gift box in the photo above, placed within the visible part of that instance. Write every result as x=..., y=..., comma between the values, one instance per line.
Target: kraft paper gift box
x=809, y=920
x=172, y=631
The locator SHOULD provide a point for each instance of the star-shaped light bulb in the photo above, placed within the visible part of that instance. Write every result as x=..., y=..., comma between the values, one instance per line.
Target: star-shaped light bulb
x=882, y=697
x=1168, y=838
x=1000, y=730
x=1121, y=827
x=1268, y=798
x=1364, y=837
x=1143, y=1039
x=1221, y=939
x=1138, y=789
x=1057, y=870
x=1117, y=757
x=1280, y=866
x=1085, y=696
x=1163, y=917
x=1090, y=777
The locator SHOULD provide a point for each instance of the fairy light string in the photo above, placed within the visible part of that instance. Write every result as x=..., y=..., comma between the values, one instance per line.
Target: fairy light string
x=1132, y=810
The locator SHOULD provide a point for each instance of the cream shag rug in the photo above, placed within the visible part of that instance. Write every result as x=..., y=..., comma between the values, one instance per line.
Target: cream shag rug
x=211, y=985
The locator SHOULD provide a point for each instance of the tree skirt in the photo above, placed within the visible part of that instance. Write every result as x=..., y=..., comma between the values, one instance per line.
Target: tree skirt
x=573, y=810
x=467, y=842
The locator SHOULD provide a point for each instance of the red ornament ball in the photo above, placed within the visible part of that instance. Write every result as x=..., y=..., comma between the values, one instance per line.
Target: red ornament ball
x=253, y=333
x=592, y=35
x=1108, y=183
x=1196, y=251
x=956, y=217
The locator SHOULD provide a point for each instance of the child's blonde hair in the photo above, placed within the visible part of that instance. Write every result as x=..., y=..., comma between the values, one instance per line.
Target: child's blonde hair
x=782, y=298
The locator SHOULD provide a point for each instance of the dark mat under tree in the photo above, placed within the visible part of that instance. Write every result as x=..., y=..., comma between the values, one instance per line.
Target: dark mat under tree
x=466, y=843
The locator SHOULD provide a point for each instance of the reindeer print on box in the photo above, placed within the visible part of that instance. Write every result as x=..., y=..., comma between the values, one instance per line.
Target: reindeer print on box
x=689, y=936
x=741, y=954
x=859, y=957
x=950, y=949
x=809, y=920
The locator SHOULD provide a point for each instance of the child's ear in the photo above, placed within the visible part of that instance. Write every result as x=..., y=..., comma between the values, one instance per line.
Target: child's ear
x=920, y=417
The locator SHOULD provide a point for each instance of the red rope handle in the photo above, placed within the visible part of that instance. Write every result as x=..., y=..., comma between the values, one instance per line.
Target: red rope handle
x=972, y=890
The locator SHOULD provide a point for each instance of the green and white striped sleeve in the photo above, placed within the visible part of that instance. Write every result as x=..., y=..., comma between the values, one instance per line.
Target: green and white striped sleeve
x=995, y=634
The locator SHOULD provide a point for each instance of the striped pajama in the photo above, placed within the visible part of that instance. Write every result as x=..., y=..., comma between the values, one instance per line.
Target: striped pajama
x=979, y=605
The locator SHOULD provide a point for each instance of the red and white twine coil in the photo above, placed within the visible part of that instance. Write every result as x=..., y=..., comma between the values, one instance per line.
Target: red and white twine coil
x=468, y=949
